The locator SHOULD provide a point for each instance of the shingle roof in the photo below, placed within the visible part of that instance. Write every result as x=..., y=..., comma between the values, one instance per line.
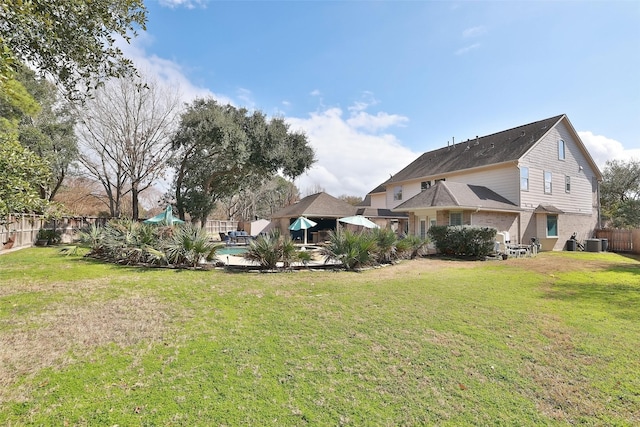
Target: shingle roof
x=547, y=209
x=496, y=148
x=319, y=205
x=457, y=194
x=370, y=212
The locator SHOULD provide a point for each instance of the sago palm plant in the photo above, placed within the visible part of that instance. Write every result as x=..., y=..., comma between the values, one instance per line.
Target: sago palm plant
x=352, y=250
x=386, y=241
x=270, y=249
x=411, y=246
x=189, y=245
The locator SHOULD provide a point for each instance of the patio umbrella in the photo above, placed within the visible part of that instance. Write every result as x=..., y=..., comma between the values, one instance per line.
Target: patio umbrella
x=302, y=223
x=164, y=217
x=359, y=220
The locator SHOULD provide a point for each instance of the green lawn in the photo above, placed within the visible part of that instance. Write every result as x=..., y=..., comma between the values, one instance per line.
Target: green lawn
x=552, y=340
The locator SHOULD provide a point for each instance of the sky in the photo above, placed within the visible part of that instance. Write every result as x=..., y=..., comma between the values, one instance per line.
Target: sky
x=374, y=84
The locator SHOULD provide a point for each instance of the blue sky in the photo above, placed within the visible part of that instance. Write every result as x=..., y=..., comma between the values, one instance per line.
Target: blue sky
x=375, y=84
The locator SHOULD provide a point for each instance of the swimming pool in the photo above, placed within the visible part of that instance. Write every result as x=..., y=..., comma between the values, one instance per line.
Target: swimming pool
x=240, y=250
x=231, y=250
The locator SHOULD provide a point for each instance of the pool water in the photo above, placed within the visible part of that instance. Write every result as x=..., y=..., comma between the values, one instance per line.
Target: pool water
x=239, y=251
x=231, y=251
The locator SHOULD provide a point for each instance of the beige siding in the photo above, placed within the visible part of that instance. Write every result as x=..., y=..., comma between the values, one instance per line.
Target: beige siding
x=409, y=189
x=504, y=180
x=379, y=200
x=544, y=157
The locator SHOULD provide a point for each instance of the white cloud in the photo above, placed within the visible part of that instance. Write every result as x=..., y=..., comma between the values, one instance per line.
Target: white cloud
x=349, y=160
x=170, y=73
x=189, y=4
x=467, y=49
x=370, y=123
x=165, y=71
x=315, y=92
x=602, y=149
x=245, y=96
x=474, y=32
x=354, y=153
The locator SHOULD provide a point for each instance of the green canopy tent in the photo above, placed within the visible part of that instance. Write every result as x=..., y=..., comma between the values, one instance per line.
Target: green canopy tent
x=165, y=217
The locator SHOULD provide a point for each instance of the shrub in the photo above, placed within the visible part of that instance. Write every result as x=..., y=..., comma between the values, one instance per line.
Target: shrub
x=53, y=237
x=188, y=245
x=353, y=250
x=130, y=242
x=386, y=245
x=469, y=241
x=92, y=236
x=270, y=249
x=411, y=246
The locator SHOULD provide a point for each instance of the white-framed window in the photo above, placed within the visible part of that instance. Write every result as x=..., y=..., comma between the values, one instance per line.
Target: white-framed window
x=524, y=178
x=424, y=185
x=552, y=225
x=561, y=150
x=567, y=184
x=548, y=178
x=397, y=192
x=455, y=218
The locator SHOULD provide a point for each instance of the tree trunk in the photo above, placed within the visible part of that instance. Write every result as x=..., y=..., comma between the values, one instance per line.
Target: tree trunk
x=134, y=202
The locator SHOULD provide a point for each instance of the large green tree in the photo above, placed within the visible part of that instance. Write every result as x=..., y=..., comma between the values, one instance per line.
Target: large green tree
x=221, y=149
x=22, y=172
x=49, y=133
x=74, y=41
x=620, y=193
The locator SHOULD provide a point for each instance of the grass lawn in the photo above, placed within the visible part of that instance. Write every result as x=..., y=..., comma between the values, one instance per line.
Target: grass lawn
x=551, y=340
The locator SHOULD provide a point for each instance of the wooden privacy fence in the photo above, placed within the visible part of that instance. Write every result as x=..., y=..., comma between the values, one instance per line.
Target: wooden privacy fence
x=214, y=227
x=21, y=230
x=621, y=240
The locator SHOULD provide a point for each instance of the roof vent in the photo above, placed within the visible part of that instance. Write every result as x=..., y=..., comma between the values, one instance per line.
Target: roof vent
x=523, y=133
x=477, y=140
x=493, y=145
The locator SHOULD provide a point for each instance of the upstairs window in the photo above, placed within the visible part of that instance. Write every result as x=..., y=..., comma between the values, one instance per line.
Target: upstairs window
x=524, y=178
x=567, y=184
x=547, y=182
x=397, y=192
x=424, y=185
x=561, y=150
x=455, y=218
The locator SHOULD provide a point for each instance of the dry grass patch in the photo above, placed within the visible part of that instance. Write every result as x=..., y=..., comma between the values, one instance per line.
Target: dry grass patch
x=68, y=331
x=16, y=286
x=556, y=368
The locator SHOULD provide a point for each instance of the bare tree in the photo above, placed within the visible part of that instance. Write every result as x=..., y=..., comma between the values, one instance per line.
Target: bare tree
x=124, y=137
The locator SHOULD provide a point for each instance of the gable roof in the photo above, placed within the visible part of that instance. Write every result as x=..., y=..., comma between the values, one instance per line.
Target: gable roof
x=319, y=205
x=456, y=194
x=505, y=146
x=369, y=212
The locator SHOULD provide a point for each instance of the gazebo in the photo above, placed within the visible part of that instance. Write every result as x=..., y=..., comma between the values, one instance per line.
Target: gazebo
x=321, y=208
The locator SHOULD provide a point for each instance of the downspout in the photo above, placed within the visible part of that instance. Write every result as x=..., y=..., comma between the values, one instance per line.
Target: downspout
x=475, y=212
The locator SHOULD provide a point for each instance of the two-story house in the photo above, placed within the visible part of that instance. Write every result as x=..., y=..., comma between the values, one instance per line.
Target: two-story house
x=536, y=180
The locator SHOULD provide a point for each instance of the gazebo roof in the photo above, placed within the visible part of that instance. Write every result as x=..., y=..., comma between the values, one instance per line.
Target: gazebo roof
x=319, y=205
